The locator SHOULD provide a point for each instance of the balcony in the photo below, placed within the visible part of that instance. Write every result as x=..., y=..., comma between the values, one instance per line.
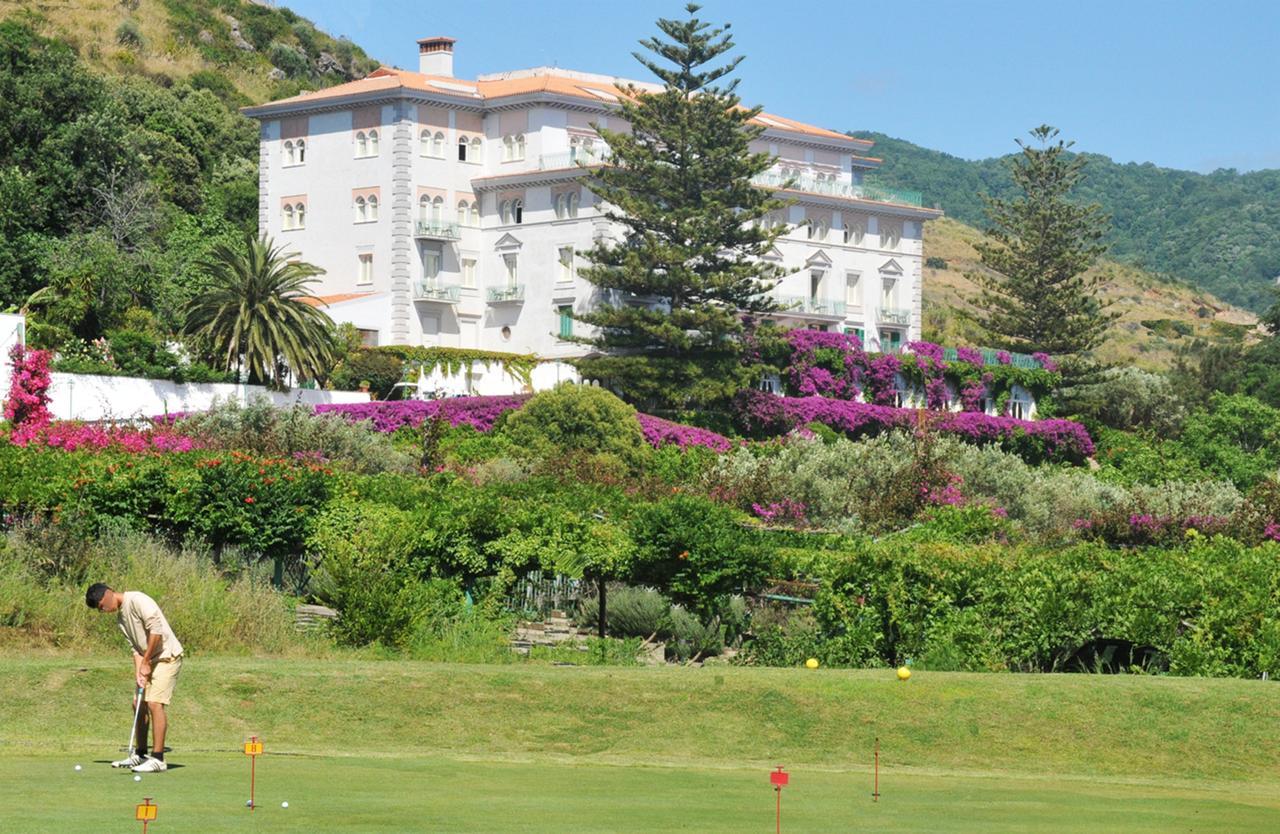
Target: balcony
x=805, y=305
x=432, y=292
x=505, y=295
x=436, y=230
x=835, y=188
x=992, y=357
x=557, y=161
x=894, y=315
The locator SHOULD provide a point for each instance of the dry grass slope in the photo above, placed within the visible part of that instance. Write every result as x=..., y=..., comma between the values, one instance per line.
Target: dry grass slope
x=1173, y=313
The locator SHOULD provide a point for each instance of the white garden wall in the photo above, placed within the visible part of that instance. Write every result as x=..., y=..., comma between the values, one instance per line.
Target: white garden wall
x=12, y=332
x=92, y=397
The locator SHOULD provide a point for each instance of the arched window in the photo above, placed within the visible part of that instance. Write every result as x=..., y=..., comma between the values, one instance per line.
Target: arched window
x=424, y=207
x=519, y=146
x=575, y=149
x=300, y=213
x=475, y=149
x=424, y=143
x=373, y=143
x=462, y=148
x=373, y=207
x=508, y=148
x=854, y=231
x=362, y=210
x=437, y=210
x=504, y=212
x=517, y=211
x=437, y=145
x=362, y=144
x=562, y=207
x=301, y=148
x=573, y=203
x=288, y=152
x=588, y=149
x=288, y=217
x=820, y=232
x=475, y=214
x=463, y=212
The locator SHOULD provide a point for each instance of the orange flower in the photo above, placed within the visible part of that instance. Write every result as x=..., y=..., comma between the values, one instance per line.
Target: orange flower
x=684, y=554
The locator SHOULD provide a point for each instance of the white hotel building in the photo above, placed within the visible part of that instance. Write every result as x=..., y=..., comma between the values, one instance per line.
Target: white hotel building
x=449, y=212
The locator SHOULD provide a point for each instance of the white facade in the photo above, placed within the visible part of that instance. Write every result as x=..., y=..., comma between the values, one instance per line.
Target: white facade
x=448, y=212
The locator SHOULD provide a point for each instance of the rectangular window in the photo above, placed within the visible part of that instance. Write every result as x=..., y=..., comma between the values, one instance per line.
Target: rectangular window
x=365, y=273
x=566, y=321
x=851, y=296
x=566, y=263
x=511, y=265
x=368, y=338
x=469, y=273
x=815, y=283
x=890, y=341
x=887, y=286
x=430, y=265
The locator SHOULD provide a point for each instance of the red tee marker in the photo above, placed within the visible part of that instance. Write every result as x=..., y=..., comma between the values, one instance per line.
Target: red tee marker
x=779, y=779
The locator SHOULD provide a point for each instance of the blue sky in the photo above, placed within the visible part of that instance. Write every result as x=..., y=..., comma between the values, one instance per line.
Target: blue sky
x=1183, y=84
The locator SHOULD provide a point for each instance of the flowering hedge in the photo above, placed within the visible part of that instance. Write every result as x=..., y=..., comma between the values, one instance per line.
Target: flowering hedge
x=479, y=412
x=763, y=414
x=70, y=435
x=483, y=412
x=659, y=432
x=819, y=363
x=27, y=405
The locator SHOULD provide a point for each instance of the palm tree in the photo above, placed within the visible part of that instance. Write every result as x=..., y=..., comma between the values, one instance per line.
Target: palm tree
x=253, y=312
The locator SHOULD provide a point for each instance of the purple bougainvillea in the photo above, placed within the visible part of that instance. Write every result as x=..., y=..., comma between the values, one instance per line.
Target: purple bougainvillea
x=1004, y=357
x=765, y=414
x=479, y=412
x=971, y=355
x=660, y=432
x=1045, y=361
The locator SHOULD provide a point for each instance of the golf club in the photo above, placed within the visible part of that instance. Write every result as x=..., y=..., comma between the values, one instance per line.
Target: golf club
x=137, y=713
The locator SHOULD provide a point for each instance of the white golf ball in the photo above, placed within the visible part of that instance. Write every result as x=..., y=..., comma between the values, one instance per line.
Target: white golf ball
x=248, y=803
x=284, y=804
x=137, y=778
x=77, y=767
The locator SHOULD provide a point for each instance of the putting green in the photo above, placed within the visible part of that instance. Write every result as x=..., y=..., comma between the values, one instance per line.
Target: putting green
x=357, y=794
x=360, y=746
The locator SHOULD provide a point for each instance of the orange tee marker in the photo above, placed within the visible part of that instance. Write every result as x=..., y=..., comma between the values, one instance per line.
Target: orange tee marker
x=145, y=813
x=252, y=749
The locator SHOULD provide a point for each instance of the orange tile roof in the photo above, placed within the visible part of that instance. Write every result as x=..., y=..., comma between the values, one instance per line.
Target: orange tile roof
x=328, y=300
x=389, y=78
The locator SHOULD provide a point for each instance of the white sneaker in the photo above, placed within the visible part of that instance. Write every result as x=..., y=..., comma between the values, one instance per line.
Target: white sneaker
x=133, y=761
x=151, y=765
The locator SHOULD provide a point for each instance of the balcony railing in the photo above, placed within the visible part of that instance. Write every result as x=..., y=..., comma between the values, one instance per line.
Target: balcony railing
x=810, y=306
x=436, y=230
x=992, y=357
x=505, y=295
x=894, y=315
x=440, y=293
x=835, y=188
x=572, y=159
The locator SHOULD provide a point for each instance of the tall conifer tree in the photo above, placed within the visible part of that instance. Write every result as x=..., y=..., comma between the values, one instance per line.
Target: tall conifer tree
x=683, y=286
x=1038, y=246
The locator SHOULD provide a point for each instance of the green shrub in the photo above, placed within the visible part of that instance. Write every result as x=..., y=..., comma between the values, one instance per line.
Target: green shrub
x=1236, y=437
x=578, y=418
x=291, y=61
x=632, y=612
x=380, y=370
x=696, y=550
x=262, y=428
x=787, y=640
x=689, y=638
x=129, y=35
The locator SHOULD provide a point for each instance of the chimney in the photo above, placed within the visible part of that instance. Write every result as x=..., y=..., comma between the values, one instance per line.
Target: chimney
x=435, y=56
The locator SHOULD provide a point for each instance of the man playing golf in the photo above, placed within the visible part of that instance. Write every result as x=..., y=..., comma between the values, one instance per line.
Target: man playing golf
x=157, y=659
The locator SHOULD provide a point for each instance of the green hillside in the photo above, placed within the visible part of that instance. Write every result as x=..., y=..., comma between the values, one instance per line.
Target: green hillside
x=1220, y=231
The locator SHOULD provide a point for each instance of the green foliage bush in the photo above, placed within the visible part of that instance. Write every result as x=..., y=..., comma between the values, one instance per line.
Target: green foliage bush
x=632, y=612
x=129, y=35
x=260, y=427
x=580, y=418
x=697, y=550
x=381, y=371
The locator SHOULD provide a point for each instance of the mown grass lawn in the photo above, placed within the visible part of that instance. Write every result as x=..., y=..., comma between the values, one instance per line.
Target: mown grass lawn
x=400, y=746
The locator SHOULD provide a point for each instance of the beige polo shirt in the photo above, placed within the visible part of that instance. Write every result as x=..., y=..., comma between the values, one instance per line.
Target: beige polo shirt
x=140, y=617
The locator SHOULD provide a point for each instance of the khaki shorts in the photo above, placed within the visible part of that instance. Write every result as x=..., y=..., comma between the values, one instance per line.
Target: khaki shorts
x=164, y=677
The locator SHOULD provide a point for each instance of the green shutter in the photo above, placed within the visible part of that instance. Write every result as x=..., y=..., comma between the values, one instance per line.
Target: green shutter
x=566, y=322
